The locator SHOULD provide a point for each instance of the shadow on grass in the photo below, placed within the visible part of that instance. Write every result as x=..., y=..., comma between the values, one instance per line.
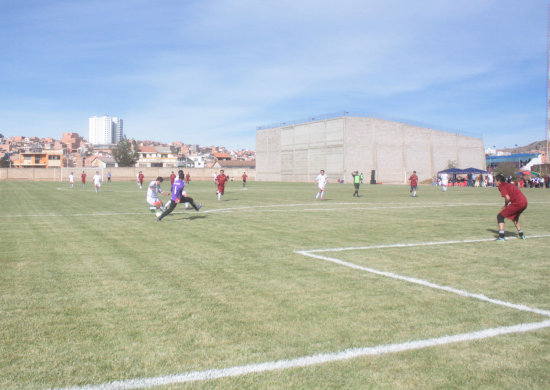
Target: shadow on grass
x=506, y=234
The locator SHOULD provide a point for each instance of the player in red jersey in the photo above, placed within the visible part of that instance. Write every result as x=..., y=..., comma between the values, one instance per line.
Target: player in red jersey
x=245, y=176
x=514, y=204
x=140, y=178
x=172, y=178
x=83, y=178
x=414, y=183
x=221, y=179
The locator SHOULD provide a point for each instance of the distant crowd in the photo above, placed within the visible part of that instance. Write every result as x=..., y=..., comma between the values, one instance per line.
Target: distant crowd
x=480, y=180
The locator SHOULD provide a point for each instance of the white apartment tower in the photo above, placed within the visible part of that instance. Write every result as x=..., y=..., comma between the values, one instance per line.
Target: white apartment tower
x=105, y=130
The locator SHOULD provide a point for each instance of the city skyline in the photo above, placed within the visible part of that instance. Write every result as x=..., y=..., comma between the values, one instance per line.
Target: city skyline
x=212, y=72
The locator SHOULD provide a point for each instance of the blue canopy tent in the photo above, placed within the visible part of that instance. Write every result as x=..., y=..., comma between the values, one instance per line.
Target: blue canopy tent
x=453, y=171
x=474, y=170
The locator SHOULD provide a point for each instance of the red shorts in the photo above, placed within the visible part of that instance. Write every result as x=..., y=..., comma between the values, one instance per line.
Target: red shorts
x=221, y=189
x=513, y=211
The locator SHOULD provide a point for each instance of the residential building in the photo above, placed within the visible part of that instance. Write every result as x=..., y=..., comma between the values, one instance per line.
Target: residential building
x=39, y=159
x=105, y=130
x=157, y=156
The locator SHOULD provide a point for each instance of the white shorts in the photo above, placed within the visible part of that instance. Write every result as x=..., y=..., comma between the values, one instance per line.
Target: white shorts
x=152, y=201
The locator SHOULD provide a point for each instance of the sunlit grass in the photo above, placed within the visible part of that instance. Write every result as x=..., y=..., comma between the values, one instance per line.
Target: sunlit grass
x=94, y=290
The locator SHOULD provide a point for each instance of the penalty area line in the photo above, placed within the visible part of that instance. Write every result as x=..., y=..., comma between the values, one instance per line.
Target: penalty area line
x=306, y=361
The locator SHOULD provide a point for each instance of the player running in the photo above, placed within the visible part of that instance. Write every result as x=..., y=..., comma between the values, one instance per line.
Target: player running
x=221, y=179
x=178, y=196
x=153, y=196
x=414, y=183
x=322, y=181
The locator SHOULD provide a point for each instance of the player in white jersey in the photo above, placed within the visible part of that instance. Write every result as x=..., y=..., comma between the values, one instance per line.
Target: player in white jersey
x=444, y=181
x=97, y=181
x=71, y=180
x=153, y=192
x=322, y=180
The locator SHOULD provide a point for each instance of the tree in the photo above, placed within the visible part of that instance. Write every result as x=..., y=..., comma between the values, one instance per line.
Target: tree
x=507, y=169
x=126, y=153
x=5, y=161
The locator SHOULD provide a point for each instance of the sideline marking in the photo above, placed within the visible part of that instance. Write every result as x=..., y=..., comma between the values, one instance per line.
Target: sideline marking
x=262, y=208
x=311, y=360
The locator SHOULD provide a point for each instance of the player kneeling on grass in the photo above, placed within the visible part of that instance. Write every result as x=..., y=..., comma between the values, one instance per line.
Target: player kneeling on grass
x=153, y=196
x=178, y=196
x=514, y=204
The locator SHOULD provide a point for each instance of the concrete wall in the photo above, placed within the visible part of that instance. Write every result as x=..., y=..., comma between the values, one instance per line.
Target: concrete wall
x=343, y=145
x=117, y=174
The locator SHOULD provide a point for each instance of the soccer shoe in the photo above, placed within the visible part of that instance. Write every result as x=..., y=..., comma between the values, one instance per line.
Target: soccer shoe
x=501, y=239
x=522, y=237
x=159, y=219
x=199, y=206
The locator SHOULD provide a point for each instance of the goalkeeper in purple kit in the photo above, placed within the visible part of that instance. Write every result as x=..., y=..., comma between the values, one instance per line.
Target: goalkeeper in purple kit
x=178, y=196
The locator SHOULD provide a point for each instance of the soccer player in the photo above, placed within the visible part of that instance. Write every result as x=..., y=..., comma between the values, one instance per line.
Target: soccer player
x=97, y=181
x=178, y=195
x=140, y=178
x=221, y=179
x=71, y=180
x=444, y=181
x=356, y=182
x=153, y=195
x=172, y=178
x=244, y=179
x=514, y=204
x=414, y=183
x=83, y=178
x=322, y=180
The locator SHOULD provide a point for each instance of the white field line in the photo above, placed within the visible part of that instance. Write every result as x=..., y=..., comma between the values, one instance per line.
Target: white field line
x=305, y=361
x=311, y=360
x=481, y=297
x=282, y=207
x=278, y=208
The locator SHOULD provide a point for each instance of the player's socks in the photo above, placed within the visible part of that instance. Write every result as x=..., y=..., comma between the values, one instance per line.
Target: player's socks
x=501, y=234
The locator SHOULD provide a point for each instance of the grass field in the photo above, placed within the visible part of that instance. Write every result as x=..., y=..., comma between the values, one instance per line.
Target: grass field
x=270, y=289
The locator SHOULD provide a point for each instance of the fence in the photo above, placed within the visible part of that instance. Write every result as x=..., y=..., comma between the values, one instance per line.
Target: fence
x=118, y=174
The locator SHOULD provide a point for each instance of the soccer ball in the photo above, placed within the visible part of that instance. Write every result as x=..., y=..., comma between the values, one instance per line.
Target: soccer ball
x=158, y=213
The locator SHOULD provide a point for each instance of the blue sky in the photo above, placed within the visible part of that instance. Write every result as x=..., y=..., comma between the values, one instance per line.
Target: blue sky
x=210, y=72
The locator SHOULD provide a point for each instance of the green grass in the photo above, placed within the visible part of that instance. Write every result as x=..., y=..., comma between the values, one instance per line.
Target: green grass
x=94, y=290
